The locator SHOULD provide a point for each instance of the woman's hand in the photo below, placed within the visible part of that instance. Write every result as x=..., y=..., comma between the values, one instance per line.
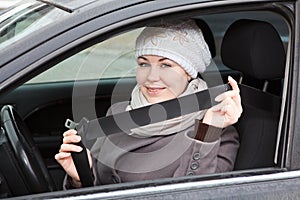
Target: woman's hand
x=64, y=157
x=228, y=111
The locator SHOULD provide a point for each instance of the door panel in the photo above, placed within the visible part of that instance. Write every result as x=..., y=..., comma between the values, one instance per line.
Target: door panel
x=46, y=106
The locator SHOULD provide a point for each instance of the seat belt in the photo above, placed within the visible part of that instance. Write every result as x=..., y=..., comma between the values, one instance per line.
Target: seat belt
x=82, y=165
x=136, y=118
x=80, y=159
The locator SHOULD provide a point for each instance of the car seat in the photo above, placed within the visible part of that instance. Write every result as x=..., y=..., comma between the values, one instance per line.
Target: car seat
x=255, y=49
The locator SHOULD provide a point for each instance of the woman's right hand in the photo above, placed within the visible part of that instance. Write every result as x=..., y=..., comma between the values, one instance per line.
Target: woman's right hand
x=64, y=157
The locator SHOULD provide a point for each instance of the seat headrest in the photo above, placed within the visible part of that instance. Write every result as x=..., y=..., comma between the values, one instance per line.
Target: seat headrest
x=254, y=48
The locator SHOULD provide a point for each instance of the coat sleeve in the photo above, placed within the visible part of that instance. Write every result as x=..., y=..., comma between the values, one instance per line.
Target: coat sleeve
x=229, y=146
x=217, y=147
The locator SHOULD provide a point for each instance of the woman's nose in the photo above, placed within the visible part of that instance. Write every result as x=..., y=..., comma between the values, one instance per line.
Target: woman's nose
x=154, y=74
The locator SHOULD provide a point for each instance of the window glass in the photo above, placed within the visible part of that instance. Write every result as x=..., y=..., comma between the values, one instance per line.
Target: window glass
x=109, y=59
x=114, y=58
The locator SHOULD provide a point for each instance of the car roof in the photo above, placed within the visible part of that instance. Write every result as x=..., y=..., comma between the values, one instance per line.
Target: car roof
x=72, y=5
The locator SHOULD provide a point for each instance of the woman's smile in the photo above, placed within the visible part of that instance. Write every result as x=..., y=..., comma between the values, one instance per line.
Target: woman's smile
x=154, y=91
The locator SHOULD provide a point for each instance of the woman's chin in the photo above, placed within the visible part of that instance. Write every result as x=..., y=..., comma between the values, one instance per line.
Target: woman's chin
x=153, y=100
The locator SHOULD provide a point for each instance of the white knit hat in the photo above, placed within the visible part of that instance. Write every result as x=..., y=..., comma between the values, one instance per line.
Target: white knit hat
x=180, y=40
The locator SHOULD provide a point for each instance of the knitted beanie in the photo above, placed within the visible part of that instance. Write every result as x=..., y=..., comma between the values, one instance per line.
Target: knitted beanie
x=181, y=41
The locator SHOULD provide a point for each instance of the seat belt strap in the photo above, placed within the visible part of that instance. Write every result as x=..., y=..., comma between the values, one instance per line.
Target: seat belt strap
x=82, y=165
x=80, y=159
x=126, y=121
x=135, y=118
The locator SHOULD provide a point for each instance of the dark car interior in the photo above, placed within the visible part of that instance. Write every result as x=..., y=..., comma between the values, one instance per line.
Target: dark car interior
x=252, y=52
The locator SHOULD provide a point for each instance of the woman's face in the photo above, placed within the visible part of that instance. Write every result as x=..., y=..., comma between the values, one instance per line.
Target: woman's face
x=160, y=79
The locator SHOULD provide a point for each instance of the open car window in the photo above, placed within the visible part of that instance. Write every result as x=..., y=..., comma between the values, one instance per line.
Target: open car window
x=114, y=58
x=117, y=53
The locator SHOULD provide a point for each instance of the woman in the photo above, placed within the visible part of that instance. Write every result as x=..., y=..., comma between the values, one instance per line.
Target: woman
x=169, y=56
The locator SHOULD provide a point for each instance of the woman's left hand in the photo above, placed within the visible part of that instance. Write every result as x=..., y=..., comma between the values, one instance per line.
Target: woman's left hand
x=228, y=111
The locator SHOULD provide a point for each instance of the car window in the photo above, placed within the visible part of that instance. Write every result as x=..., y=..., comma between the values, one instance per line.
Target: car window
x=114, y=57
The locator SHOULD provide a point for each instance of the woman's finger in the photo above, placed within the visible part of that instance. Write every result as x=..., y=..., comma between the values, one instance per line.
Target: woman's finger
x=62, y=155
x=71, y=139
x=223, y=103
x=233, y=84
x=235, y=109
x=235, y=88
x=231, y=94
x=70, y=132
x=229, y=108
x=70, y=148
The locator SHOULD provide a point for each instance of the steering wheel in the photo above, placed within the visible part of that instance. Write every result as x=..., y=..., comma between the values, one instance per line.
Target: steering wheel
x=26, y=154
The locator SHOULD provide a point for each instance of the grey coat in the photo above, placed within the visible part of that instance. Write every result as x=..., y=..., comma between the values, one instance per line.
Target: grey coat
x=123, y=158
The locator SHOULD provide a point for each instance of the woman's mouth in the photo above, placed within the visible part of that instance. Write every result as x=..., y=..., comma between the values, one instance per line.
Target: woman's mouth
x=154, y=90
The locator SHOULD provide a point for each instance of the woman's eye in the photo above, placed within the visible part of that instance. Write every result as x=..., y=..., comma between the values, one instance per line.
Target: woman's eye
x=144, y=64
x=165, y=65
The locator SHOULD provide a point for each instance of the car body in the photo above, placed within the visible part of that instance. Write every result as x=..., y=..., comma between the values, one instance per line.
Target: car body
x=7, y=4
x=72, y=59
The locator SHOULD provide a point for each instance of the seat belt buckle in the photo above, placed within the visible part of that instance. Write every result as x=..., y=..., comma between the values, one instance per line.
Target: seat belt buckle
x=70, y=124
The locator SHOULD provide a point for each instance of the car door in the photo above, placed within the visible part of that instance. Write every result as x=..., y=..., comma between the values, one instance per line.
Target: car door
x=83, y=75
